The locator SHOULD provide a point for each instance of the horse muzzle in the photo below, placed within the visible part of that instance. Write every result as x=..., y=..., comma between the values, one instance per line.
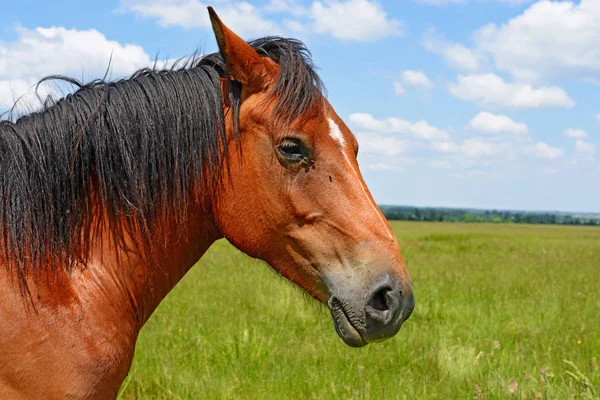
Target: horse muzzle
x=372, y=315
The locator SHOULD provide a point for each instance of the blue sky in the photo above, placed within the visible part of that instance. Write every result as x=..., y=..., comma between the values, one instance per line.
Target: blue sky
x=468, y=103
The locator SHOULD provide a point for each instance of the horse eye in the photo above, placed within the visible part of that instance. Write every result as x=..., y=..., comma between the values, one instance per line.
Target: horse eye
x=292, y=150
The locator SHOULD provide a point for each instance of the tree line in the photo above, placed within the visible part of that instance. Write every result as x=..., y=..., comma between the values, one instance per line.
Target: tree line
x=407, y=213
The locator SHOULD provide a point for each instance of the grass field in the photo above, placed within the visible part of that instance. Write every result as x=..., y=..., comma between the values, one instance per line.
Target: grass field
x=503, y=311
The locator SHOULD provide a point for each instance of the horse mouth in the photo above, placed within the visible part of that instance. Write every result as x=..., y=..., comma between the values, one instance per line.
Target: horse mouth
x=344, y=328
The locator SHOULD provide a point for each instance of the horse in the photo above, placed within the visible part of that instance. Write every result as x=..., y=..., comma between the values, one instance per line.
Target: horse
x=111, y=194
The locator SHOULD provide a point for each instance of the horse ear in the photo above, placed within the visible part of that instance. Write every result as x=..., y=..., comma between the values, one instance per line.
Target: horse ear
x=243, y=63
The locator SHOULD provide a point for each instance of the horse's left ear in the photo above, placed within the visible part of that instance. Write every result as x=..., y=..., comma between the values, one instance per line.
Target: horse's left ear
x=243, y=63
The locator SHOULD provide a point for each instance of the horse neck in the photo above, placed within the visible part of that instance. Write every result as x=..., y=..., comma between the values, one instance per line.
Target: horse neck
x=88, y=318
x=118, y=286
x=134, y=282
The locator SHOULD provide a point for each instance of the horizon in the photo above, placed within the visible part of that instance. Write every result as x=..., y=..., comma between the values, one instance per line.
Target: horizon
x=467, y=116
x=595, y=213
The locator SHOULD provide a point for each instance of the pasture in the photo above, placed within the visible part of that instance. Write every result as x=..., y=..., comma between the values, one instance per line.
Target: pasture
x=503, y=311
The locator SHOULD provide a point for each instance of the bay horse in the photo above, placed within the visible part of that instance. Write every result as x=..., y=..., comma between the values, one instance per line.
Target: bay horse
x=109, y=195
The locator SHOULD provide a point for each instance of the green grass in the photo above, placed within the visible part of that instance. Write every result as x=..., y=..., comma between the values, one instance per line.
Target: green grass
x=503, y=311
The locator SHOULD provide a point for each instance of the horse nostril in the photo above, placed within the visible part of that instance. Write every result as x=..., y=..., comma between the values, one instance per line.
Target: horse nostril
x=380, y=300
x=388, y=304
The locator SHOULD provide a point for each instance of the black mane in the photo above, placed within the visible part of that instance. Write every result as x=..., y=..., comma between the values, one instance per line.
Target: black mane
x=130, y=148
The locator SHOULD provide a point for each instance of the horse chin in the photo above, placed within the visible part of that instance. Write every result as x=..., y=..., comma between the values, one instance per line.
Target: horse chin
x=344, y=328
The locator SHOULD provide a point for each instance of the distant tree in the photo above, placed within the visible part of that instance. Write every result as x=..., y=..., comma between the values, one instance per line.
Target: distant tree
x=494, y=216
x=433, y=215
x=418, y=214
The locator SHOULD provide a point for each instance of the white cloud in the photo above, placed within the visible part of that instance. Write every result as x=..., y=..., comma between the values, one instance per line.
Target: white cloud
x=23, y=92
x=543, y=150
x=348, y=20
x=442, y=2
x=461, y=57
x=471, y=148
x=456, y=55
x=549, y=39
x=41, y=52
x=359, y=20
x=383, y=166
x=57, y=50
x=576, y=133
x=447, y=2
x=515, y=2
x=368, y=122
x=440, y=164
x=398, y=89
x=419, y=130
x=381, y=144
x=286, y=7
x=445, y=147
x=242, y=17
x=585, y=147
x=417, y=78
x=597, y=116
x=490, y=90
x=422, y=130
x=496, y=123
x=294, y=25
